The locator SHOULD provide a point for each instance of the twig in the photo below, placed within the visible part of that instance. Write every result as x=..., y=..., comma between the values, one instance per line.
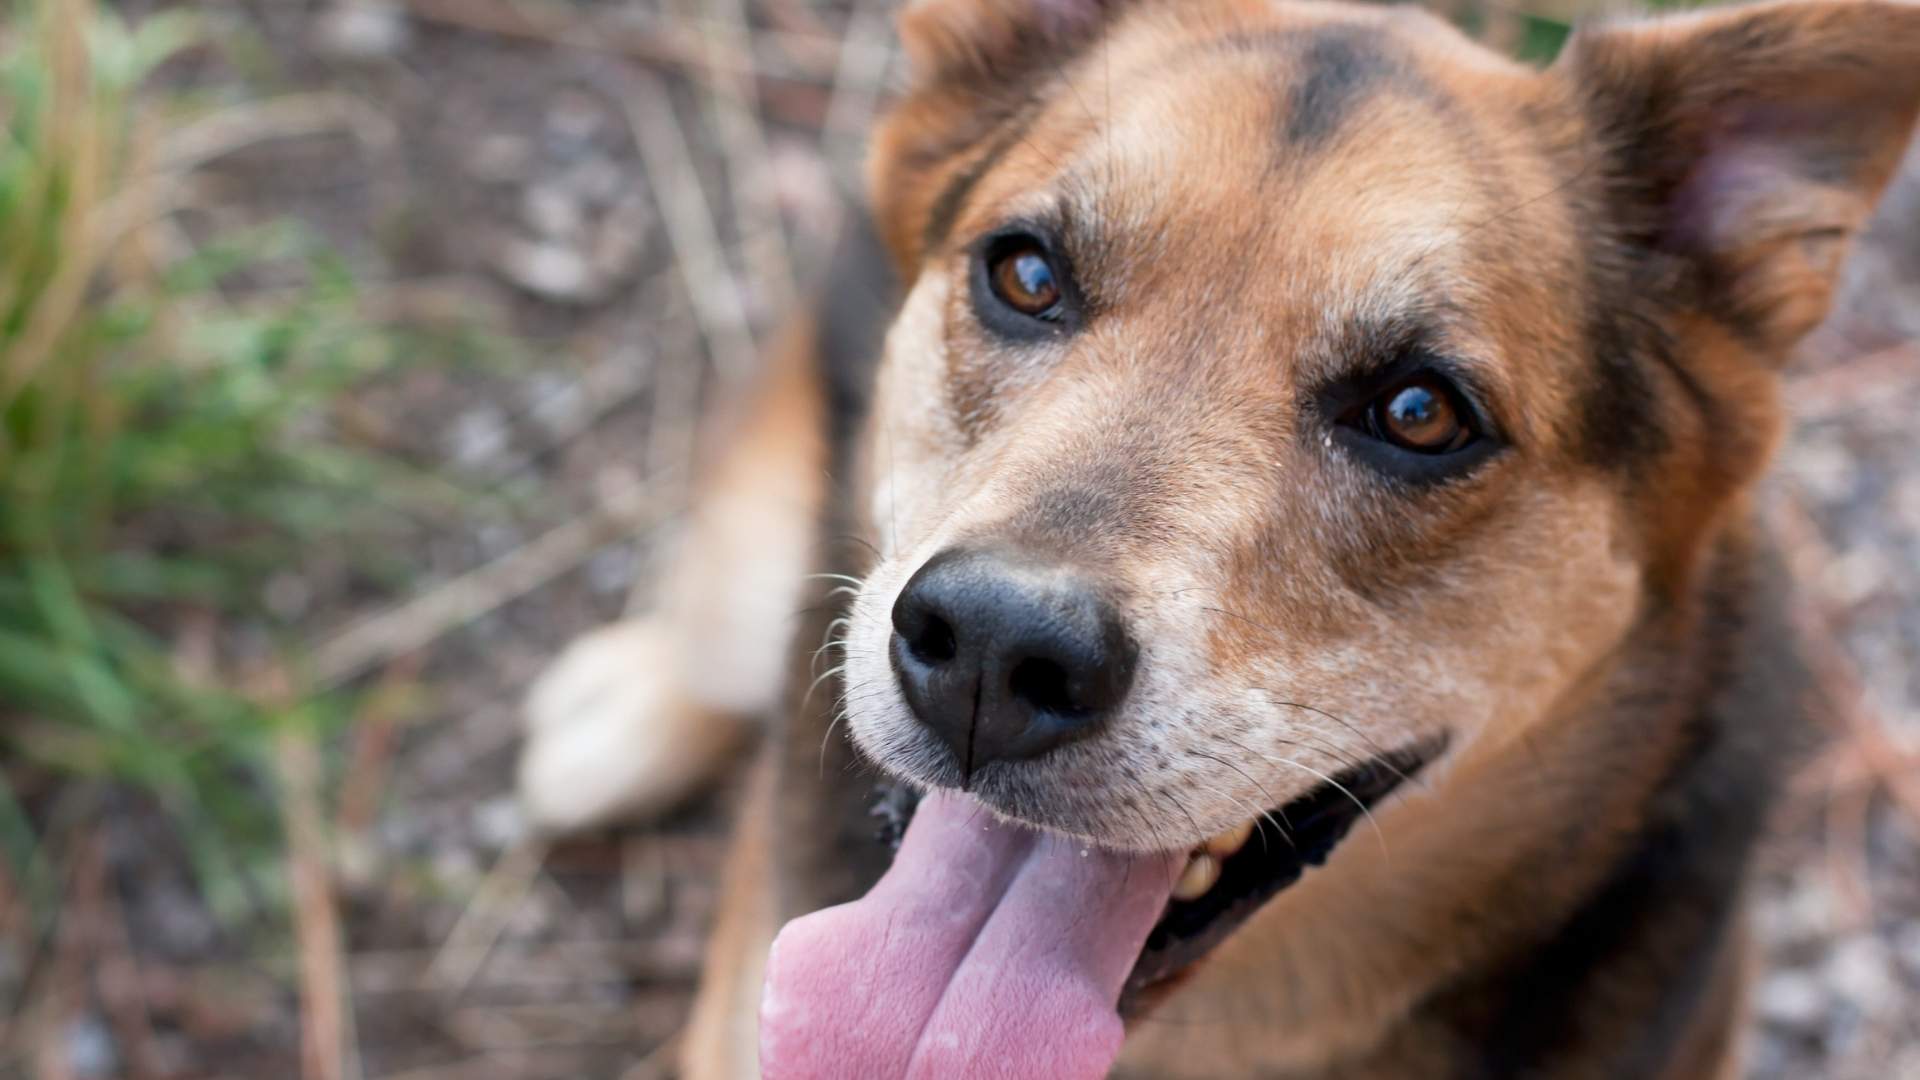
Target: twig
x=371, y=751
x=291, y=117
x=659, y=1062
x=1879, y=375
x=51, y=1008
x=658, y=960
x=328, y=1048
x=564, y=25
x=416, y=623
x=1846, y=814
x=121, y=986
x=744, y=143
x=710, y=286
x=1850, y=700
x=858, y=82
x=480, y=925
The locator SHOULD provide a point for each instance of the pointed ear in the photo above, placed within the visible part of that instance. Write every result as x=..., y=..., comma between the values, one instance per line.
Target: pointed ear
x=979, y=70
x=949, y=38
x=1749, y=145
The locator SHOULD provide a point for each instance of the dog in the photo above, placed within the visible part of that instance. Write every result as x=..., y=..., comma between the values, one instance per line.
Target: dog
x=1272, y=501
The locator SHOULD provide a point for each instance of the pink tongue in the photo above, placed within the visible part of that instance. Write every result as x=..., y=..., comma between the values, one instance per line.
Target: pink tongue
x=987, y=950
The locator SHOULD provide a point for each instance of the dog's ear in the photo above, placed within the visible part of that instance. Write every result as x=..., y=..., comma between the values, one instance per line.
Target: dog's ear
x=1748, y=145
x=978, y=68
x=961, y=38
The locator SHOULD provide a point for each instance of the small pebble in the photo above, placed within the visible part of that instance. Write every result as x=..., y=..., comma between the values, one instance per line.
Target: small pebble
x=498, y=823
x=1906, y=945
x=478, y=437
x=547, y=270
x=1791, y=998
x=361, y=30
x=501, y=157
x=1860, y=969
x=89, y=1047
x=552, y=211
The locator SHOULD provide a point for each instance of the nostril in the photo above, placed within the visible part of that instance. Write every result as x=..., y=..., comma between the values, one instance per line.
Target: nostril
x=1042, y=684
x=933, y=642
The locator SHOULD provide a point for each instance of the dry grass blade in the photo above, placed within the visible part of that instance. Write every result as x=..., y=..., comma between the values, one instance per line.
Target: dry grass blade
x=295, y=116
x=567, y=25
x=80, y=136
x=859, y=82
x=416, y=623
x=659, y=1062
x=327, y=1045
x=749, y=172
x=59, y=992
x=480, y=925
x=371, y=754
x=710, y=286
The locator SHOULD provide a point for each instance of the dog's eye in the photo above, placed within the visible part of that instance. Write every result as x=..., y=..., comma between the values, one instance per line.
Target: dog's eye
x=1023, y=278
x=1423, y=414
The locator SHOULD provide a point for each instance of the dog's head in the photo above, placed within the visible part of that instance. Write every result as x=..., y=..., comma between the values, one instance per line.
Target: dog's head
x=1270, y=363
x=1291, y=393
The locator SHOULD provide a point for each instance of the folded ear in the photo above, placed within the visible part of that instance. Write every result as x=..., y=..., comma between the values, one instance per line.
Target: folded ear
x=978, y=69
x=1750, y=144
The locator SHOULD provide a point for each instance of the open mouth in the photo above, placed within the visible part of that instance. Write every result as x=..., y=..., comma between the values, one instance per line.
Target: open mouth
x=989, y=941
x=1227, y=879
x=1233, y=874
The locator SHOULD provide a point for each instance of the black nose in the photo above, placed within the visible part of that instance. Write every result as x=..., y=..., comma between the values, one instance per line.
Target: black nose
x=1006, y=656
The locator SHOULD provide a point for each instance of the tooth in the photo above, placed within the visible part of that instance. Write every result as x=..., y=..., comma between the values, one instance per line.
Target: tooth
x=1224, y=845
x=1201, y=872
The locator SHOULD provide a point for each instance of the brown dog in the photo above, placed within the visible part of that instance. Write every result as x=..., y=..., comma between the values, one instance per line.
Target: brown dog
x=1294, y=417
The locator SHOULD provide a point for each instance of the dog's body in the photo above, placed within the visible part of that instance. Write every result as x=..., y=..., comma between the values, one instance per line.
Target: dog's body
x=1543, y=605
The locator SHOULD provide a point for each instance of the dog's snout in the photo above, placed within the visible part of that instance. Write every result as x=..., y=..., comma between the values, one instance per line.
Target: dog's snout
x=1005, y=655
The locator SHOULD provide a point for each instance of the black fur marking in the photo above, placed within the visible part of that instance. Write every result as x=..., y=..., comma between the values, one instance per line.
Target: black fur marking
x=952, y=198
x=858, y=300
x=1619, y=414
x=1342, y=69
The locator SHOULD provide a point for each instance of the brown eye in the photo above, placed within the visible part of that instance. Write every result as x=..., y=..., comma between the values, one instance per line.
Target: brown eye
x=1421, y=415
x=1023, y=279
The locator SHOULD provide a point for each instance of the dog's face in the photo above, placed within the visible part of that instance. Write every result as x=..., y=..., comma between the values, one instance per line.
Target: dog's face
x=1285, y=385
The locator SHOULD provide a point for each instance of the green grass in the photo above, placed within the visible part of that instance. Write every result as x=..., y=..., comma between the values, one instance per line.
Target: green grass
x=163, y=453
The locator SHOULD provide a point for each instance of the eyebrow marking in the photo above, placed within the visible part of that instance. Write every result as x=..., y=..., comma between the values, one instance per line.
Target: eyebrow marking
x=947, y=205
x=1342, y=68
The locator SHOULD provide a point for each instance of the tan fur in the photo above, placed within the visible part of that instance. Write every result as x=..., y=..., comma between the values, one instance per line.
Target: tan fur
x=719, y=1041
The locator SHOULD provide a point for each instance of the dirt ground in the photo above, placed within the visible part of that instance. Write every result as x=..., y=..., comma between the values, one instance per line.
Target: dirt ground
x=585, y=178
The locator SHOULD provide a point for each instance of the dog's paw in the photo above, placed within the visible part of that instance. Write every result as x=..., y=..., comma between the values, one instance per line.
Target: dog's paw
x=611, y=733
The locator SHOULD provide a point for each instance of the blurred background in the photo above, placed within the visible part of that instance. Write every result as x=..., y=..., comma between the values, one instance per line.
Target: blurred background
x=352, y=356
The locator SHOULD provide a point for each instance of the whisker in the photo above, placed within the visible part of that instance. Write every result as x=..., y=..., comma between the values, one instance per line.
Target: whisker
x=807, y=698
x=1365, y=812
x=1382, y=756
x=855, y=538
x=1168, y=796
x=848, y=578
x=1280, y=823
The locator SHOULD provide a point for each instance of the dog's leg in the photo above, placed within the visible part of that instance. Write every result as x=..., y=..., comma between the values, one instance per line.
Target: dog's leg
x=635, y=716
